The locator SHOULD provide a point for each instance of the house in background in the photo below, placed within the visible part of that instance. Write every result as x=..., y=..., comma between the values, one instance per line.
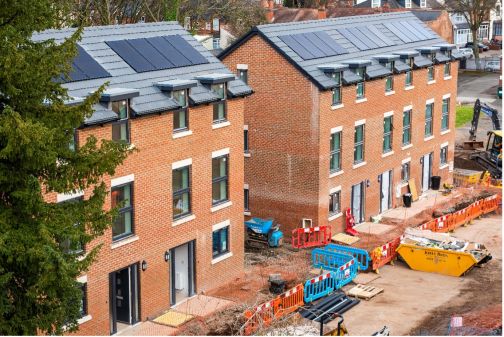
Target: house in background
x=180, y=228
x=345, y=112
x=496, y=22
x=462, y=32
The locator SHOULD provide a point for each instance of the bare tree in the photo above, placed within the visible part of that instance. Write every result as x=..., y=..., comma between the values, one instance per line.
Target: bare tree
x=475, y=12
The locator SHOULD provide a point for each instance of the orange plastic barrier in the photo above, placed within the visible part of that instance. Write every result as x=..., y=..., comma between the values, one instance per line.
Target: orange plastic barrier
x=311, y=237
x=262, y=315
x=384, y=254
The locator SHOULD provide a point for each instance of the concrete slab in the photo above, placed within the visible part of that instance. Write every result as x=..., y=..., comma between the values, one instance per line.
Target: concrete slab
x=365, y=278
x=373, y=228
x=148, y=329
x=202, y=305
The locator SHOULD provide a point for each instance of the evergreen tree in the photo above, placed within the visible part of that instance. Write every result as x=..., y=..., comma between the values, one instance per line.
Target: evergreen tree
x=38, y=288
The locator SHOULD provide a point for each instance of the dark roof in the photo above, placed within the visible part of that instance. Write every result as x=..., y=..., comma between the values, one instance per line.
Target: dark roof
x=431, y=4
x=427, y=15
x=377, y=23
x=151, y=97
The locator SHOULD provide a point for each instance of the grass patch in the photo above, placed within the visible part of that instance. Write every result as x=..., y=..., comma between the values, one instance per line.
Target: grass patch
x=464, y=115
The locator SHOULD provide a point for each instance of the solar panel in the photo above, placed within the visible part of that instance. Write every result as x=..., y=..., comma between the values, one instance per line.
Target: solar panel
x=397, y=32
x=313, y=45
x=415, y=32
x=84, y=67
x=353, y=39
x=380, y=35
x=363, y=38
x=421, y=29
x=369, y=34
x=157, y=53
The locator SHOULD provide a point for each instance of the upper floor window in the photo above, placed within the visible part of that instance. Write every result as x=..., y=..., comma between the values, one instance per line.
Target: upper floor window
x=375, y=3
x=215, y=25
x=220, y=242
x=406, y=134
x=181, y=116
x=409, y=79
x=71, y=245
x=246, y=199
x=405, y=172
x=220, y=179
x=387, y=134
x=360, y=85
x=72, y=145
x=208, y=26
x=246, y=141
x=423, y=3
x=243, y=75
x=83, y=309
x=216, y=43
x=219, y=108
x=120, y=128
x=181, y=186
x=443, y=160
x=430, y=73
x=407, y=4
x=336, y=91
x=359, y=144
x=335, y=155
x=447, y=69
x=429, y=108
x=445, y=115
x=122, y=196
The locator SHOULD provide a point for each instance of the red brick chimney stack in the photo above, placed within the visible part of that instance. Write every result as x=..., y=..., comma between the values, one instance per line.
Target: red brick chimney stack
x=322, y=12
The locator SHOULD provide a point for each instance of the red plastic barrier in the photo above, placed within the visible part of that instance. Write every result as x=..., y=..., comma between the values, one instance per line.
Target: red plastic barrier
x=311, y=237
x=385, y=254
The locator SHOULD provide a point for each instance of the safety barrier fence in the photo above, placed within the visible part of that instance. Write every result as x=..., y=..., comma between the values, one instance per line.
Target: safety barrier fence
x=385, y=254
x=319, y=287
x=343, y=265
x=311, y=237
x=360, y=255
x=262, y=315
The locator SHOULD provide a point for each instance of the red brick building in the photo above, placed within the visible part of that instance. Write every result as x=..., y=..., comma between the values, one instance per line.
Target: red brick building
x=345, y=111
x=180, y=231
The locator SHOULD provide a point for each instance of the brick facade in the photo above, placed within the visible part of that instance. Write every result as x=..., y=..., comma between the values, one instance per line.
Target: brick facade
x=152, y=200
x=290, y=122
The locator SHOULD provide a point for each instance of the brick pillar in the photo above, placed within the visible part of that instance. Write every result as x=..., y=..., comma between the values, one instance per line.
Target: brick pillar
x=322, y=12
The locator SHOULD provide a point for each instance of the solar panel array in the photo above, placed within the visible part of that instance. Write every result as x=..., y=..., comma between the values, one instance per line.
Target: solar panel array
x=369, y=37
x=157, y=53
x=84, y=67
x=313, y=45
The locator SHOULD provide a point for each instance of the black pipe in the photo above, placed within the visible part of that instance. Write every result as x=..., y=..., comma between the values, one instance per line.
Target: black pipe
x=320, y=307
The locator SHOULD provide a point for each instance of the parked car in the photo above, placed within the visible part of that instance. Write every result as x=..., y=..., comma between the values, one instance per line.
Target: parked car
x=482, y=47
x=493, y=65
x=467, y=52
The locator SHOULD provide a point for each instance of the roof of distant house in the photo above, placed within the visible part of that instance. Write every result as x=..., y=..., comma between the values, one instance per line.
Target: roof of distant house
x=133, y=58
x=427, y=15
x=311, y=46
x=432, y=4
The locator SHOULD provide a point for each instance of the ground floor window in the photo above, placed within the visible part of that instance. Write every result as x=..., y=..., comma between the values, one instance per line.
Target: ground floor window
x=335, y=203
x=220, y=242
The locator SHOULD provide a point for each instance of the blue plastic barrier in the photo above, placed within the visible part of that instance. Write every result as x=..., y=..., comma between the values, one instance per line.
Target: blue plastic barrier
x=361, y=255
x=319, y=286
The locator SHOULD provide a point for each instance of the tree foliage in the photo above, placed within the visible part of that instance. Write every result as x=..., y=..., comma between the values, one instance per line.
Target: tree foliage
x=38, y=288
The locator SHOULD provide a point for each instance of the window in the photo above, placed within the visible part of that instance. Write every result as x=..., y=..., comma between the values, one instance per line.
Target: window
x=220, y=242
x=181, y=186
x=428, y=119
x=246, y=141
x=120, y=129
x=208, y=25
x=409, y=79
x=335, y=156
x=336, y=91
x=215, y=25
x=447, y=69
x=246, y=199
x=405, y=172
x=73, y=246
x=180, y=117
x=387, y=134
x=375, y=3
x=360, y=86
x=219, y=179
x=243, y=75
x=406, y=133
x=407, y=4
x=219, y=108
x=335, y=203
x=83, y=302
x=497, y=25
x=72, y=145
x=359, y=144
x=445, y=114
x=389, y=84
x=216, y=43
x=430, y=74
x=122, y=197
x=423, y=3
x=483, y=32
x=443, y=158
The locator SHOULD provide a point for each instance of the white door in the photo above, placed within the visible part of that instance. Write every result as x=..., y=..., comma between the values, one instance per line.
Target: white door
x=357, y=203
x=385, y=199
x=425, y=172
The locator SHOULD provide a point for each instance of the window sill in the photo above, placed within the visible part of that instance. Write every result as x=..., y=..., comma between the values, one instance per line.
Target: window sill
x=222, y=257
x=335, y=174
x=183, y=220
x=84, y=319
x=428, y=138
x=388, y=93
x=221, y=206
x=405, y=147
x=246, y=155
x=409, y=87
x=337, y=106
x=431, y=82
x=442, y=167
x=181, y=134
x=403, y=184
x=445, y=132
x=124, y=241
x=334, y=216
x=131, y=147
x=221, y=125
x=247, y=213
x=384, y=155
x=361, y=100
x=359, y=165
x=447, y=78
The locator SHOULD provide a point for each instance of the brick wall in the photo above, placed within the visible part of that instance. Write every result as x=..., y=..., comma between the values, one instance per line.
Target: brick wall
x=151, y=167
x=442, y=26
x=288, y=175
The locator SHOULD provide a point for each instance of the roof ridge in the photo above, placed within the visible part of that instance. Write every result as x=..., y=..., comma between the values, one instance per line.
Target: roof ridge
x=109, y=27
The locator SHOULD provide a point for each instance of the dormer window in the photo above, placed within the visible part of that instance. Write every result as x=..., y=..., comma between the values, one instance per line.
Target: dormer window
x=181, y=116
x=389, y=80
x=375, y=3
x=219, y=108
x=430, y=73
x=407, y=4
x=360, y=90
x=423, y=3
x=336, y=91
x=120, y=129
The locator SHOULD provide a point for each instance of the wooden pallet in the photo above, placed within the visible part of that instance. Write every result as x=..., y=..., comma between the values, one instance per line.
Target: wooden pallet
x=365, y=292
x=345, y=239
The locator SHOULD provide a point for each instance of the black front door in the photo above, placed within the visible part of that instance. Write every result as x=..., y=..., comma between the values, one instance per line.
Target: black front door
x=124, y=297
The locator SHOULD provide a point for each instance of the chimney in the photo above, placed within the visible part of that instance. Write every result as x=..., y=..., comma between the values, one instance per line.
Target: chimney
x=270, y=4
x=322, y=12
x=269, y=13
